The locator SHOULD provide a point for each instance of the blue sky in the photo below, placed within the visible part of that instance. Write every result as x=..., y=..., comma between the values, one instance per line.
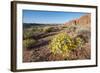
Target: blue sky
x=32, y=16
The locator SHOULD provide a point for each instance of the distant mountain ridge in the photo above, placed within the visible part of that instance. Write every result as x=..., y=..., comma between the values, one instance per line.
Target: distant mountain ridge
x=28, y=25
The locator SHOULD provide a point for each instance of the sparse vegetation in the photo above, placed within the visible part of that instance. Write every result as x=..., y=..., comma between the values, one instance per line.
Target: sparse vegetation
x=30, y=32
x=49, y=29
x=29, y=43
x=84, y=34
x=64, y=27
x=56, y=42
x=27, y=34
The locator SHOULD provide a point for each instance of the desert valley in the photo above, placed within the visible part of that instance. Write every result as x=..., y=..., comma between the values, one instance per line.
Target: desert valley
x=57, y=42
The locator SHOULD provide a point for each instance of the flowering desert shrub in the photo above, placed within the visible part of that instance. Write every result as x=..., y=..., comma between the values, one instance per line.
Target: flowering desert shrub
x=63, y=44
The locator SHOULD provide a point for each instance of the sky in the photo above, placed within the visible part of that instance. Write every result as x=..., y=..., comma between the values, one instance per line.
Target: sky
x=32, y=16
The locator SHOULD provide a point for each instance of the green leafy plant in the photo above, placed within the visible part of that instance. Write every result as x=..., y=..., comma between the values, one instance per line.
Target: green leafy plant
x=29, y=43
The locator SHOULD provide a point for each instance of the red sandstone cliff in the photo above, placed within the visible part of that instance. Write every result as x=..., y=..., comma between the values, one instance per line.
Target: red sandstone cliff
x=83, y=20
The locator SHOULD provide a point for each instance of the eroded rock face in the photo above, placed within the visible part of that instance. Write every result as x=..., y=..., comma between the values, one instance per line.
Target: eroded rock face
x=83, y=20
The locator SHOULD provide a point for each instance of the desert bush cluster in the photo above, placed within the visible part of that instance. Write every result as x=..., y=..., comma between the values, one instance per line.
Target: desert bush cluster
x=28, y=43
x=48, y=29
x=63, y=44
x=31, y=35
x=85, y=34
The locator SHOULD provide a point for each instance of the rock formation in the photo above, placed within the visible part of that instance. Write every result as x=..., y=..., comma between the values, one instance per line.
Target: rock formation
x=83, y=20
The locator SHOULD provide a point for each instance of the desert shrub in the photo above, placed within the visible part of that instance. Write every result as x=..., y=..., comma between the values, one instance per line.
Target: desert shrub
x=37, y=29
x=78, y=41
x=48, y=29
x=29, y=43
x=72, y=28
x=63, y=44
x=27, y=34
x=31, y=32
x=84, y=34
x=64, y=26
